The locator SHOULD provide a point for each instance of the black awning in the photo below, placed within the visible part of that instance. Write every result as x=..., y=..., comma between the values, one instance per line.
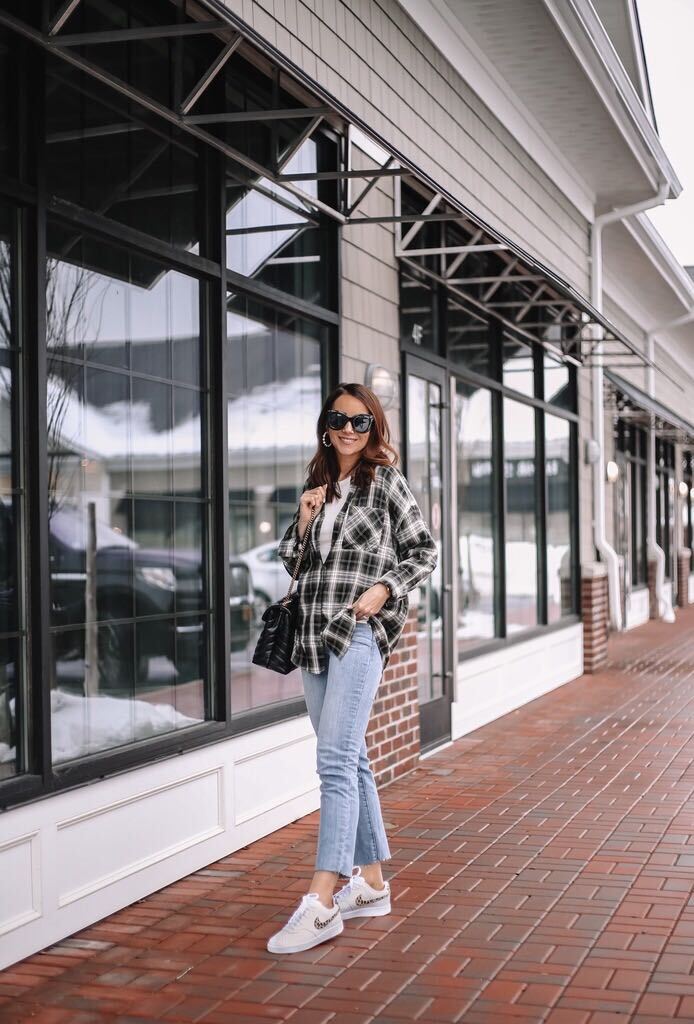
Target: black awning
x=632, y=401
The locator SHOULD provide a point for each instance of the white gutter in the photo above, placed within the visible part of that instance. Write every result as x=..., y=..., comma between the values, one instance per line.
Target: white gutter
x=606, y=551
x=655, y=552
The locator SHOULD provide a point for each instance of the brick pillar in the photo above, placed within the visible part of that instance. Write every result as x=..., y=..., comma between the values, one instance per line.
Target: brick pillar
x=652, y=601
x=684, y=559
x=595, y=614
x=392, y=738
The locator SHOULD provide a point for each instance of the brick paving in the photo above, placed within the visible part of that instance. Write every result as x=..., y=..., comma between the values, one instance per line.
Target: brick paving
x=542, y=870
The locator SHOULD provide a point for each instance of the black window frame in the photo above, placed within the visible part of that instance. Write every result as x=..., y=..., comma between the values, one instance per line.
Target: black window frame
x=688, y=499
x=493, y=382
x=632, y=444
x=26, y=188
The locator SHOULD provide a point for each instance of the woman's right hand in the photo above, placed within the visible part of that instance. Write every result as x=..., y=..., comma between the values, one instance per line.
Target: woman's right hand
x=308, y=501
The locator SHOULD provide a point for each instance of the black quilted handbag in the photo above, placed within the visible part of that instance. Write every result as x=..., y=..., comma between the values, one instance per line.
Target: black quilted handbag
x=275, y=643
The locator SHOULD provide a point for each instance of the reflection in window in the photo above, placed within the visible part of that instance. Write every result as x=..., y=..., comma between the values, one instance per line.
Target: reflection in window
x=688, y=500
x=103, y=158
x=518, y=365
x=557, y=383
x=559, y=556
x=665, y=502
x=418, y=312
x=274, y=398
x=12, y=721
x=127, y=515
x=276, y=238
x=467, y=338
x=475, y=507
x=521, y=516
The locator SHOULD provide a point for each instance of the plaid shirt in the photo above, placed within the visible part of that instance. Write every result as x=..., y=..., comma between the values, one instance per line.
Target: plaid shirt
x=379, y=536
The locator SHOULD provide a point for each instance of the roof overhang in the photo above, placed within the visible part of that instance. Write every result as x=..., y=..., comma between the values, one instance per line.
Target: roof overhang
x=581, y=78
x=629, y=402
x=648, y=238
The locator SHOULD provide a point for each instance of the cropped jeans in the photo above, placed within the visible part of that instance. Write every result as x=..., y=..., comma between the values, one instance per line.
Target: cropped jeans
x=339, y=704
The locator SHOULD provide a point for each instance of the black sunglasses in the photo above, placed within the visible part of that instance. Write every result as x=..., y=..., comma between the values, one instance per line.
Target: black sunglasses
x=362, y=422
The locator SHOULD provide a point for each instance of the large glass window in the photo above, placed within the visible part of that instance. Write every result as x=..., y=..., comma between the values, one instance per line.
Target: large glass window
x=274, y=396
x=475, y=509
x=146, y=190
x=520, y=471
x=632, y=442
x=418, y=311
x=276, y=238
x=12, y=703
x=688, y=500
x=560, y=600
x=665, y=502
x=127, y=168
x=130, y=606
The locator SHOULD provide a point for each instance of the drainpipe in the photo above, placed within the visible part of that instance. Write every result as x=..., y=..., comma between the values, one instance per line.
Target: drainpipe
x=607, y=552
x=655, y=552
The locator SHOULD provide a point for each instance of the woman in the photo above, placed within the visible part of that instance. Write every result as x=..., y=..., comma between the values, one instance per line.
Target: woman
x=368, y=546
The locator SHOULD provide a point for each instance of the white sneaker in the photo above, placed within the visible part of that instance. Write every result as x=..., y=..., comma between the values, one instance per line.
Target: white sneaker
x=358, y=899
x=310, y=924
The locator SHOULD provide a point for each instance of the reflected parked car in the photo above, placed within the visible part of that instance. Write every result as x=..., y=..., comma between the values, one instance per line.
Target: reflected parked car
x=131, y=581
x=270, y=578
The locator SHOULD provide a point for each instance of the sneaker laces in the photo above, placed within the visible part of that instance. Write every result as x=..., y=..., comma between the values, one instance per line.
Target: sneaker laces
x=298, y=913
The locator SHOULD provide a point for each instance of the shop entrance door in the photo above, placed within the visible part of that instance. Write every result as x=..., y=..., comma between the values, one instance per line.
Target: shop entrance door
x=427, y=454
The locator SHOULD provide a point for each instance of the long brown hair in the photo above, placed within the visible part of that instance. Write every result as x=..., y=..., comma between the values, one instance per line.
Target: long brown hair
x=324, y=467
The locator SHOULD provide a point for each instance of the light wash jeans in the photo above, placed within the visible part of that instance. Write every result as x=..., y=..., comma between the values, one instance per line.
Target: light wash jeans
x=339, y=703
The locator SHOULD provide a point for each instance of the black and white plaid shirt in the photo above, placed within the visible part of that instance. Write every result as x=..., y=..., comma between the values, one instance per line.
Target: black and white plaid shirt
x=379, y=536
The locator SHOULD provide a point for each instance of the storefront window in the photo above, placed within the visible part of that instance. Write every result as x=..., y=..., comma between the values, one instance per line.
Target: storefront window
x=688, y=500
x=418, y=312
x=475, y=509
x=130, y=607
x=632, y=443
x=12, y=639
x=665, y=502
x=104, y=158
x=468, y=339
x=557, y=383
x=274, y=396
x=518, y=365
x=276, y=238
x=520, y=469
x=558, y=481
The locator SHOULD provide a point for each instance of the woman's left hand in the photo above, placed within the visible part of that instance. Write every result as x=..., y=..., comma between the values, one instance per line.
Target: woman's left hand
x=371, y=601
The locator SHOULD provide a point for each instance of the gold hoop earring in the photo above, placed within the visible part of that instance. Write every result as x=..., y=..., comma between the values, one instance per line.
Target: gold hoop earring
x=325, y=442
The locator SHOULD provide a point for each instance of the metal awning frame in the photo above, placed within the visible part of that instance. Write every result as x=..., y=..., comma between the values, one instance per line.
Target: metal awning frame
x=627, y=401
x=573, y=313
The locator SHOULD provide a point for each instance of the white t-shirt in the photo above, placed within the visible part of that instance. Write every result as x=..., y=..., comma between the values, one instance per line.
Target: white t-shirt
x=332, y=510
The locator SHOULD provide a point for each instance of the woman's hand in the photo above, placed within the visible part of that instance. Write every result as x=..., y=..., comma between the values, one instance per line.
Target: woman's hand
x=371, y=601
x=308, y=501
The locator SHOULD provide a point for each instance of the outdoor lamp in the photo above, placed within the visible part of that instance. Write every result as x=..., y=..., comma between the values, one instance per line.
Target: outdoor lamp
x=382, y=383
x=684, y=489
x=612, y=472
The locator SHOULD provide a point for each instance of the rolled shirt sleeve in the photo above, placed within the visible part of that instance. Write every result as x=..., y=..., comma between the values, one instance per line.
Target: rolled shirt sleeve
x=290, y=544
x=415, y=545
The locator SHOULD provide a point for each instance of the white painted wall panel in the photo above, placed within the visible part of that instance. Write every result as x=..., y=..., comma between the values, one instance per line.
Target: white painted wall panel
x=110, y=842
x=20, y=900
x=496, y=683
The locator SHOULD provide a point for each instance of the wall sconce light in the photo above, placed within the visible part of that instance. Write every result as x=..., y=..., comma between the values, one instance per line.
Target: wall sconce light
x=592, y=451
x=612, y=472
x=684, y=489
x=382, y=382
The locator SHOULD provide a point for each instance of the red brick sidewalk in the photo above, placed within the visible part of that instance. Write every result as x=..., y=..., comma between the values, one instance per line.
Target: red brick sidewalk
x=542, y=871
